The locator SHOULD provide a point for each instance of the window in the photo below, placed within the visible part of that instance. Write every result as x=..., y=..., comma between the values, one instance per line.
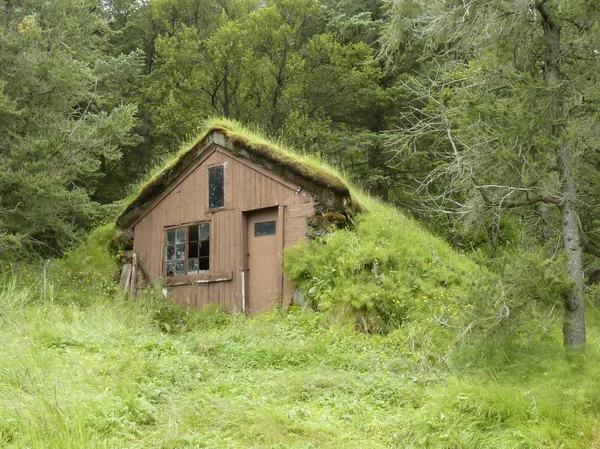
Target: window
x=187, y=250
x=199, y=248
x=216, y=187
x=175, y=252
x=265, y=228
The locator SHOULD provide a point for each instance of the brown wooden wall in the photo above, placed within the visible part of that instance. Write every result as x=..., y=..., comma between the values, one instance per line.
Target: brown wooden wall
x=247, y=187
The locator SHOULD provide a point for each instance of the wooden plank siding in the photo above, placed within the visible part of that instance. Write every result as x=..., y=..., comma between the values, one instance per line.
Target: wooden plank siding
x=247, y=187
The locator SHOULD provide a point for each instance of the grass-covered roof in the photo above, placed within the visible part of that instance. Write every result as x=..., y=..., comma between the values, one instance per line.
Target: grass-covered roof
x=304, y=169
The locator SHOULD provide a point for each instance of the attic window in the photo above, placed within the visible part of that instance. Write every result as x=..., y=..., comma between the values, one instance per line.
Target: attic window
x=216, y=187
x=187, y=250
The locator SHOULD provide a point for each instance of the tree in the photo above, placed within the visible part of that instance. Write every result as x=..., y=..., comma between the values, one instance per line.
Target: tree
x=505, y=112
x=61, y=117
x=301, y=70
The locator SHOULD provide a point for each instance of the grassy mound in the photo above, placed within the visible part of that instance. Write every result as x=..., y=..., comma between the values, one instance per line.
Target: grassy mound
x=387, y=270
x=389, y=276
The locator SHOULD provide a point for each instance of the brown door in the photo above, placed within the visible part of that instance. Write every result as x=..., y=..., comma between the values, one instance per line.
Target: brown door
x=263, y=260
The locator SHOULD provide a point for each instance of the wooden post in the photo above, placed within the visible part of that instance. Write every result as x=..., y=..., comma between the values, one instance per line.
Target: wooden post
x=46, y=279
x=243, y=290
x=134, y=270
x=143, y=270
x=125, y=277
x=280, y=246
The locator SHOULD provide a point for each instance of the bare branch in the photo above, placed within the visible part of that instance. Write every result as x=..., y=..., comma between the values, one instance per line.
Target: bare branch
x=8, y=211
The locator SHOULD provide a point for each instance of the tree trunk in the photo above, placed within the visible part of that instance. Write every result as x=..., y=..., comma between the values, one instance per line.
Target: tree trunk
x=376, y=160
x=280, y=81
x=574, y=318
x=144, y=149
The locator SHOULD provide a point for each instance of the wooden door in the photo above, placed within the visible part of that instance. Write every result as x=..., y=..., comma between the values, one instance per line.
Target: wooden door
x=263, y=260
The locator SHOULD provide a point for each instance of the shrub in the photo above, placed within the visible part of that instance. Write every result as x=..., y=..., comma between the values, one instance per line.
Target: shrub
x=173, y=318
x=385, y=271
x=87, y=272
x=91, y=261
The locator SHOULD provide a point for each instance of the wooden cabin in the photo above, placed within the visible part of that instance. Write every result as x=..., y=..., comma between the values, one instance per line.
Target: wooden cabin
x=212, y=226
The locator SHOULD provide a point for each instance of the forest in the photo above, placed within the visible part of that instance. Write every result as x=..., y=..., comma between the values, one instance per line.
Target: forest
x=467, y=127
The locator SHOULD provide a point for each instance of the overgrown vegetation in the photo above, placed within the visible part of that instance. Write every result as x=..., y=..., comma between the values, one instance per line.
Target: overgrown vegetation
x=110, y=373
x=89, y=368
x=388, y=273
x=385, y=270
x=488, y=134
x=492, y=139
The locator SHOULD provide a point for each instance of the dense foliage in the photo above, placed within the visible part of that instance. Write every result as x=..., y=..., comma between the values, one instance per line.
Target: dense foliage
x=509, y=111
x=63, y=116
x=388, y=273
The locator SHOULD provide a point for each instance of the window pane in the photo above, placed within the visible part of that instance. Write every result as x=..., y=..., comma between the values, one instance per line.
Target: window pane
x=204, y=266
x=179, y=268
x=170, y=236
x=216, y=187
x=192, y=266
x=170, y=252
x=205, y=248
x=265, y=228
x=193, y=250
x=170, y=269
x=180, y=235
x=204, y=231
x=179, y=252
x=193, y=230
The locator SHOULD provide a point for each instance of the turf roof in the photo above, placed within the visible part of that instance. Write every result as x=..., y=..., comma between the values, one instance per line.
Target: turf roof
x=245, y=143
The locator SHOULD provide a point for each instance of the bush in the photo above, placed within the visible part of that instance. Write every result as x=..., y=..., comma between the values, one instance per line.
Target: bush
x=173, y=318
x=91, y=268
x=385, y=271
x=91, y=261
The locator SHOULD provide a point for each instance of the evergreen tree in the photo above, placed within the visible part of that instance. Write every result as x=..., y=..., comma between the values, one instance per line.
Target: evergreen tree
x=61, y=116
x=507, y=111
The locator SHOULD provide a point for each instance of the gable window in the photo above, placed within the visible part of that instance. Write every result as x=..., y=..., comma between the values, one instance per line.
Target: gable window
x=216, y=187
x=187, y=250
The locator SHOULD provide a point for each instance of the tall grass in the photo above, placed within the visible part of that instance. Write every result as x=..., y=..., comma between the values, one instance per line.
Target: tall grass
x=106, y=373
x=14, y=296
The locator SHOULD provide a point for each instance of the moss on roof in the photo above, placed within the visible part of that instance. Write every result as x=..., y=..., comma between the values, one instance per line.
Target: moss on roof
x=247, y=143
x=304, y=165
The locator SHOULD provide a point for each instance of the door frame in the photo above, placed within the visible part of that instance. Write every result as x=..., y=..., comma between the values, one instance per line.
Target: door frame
x=245, y=254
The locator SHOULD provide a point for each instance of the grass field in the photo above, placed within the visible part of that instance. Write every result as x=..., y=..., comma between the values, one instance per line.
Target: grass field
x=104, y=372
